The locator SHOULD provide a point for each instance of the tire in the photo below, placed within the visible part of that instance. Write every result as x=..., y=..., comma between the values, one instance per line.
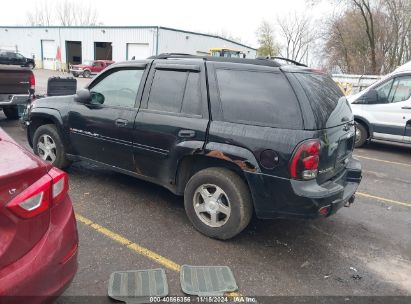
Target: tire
x=30, y=65
x=50, y=131
x=235, y=195
x=75, y=75
x=11, y=112
x=361, y=135
x=86, y=74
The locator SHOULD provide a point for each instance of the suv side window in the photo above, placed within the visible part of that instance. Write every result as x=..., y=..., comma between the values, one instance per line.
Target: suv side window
x=118, y=89
x=175, y=92
x=258, y=98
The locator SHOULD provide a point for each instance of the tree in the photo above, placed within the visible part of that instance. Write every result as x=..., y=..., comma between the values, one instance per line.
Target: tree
x=64, y=13
x=70, y=13
x=369, y=36
x=266, y=40
x=298, y=35
x=41, y=15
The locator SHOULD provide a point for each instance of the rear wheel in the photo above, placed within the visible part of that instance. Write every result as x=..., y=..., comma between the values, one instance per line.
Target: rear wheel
x=361, y=135
x=11, y=112
x=47, y=144
x=86, y=74
x=218, y=203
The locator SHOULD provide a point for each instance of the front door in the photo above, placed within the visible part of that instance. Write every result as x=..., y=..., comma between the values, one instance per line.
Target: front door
x=389, y=115
x=102, y=130
x=172, y=120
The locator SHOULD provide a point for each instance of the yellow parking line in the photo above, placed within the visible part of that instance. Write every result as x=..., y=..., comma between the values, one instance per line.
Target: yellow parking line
x=137, y=248
x=383, y=161
x=129, y=244
x=386, y=200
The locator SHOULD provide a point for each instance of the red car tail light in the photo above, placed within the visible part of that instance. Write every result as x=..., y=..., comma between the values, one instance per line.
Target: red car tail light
x=32, y=81
x=305, y=161
x=40, y=196
x=34, y=200
x=60, y=184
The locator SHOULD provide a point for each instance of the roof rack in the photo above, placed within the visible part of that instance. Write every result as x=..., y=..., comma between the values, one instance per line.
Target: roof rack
x=282, y=58
x=172, y=55
x=261, y=61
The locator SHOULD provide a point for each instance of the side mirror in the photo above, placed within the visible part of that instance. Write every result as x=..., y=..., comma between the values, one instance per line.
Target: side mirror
x=97, y=98
x=82, y=96
x=371, y=97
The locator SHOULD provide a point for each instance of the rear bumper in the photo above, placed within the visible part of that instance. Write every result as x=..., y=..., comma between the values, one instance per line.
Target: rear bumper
x=284, y=198
x=49, y=267
x=14, y=99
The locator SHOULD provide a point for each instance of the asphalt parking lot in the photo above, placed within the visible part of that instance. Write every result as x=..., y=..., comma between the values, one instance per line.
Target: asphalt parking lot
x=364, y=250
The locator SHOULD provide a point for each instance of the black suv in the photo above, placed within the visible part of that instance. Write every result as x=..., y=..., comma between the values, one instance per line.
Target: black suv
x=234, y=136
x=12, y=58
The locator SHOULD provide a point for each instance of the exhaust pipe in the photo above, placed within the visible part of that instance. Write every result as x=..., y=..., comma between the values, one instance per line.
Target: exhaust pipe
x=350, y=201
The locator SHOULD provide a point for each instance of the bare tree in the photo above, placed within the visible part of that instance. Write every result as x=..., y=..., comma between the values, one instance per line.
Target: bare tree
x=70, y=13
x=370, y=36
x=364, y=7
x=41, y=15
x=65, y=13
x=298, y=34
x=266, y=39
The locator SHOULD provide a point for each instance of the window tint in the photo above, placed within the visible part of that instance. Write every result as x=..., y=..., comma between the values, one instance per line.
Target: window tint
x=176, y=92
x=192, y=96
x=324, y=96
x=118, y=88
x=401, y=89
x=258, y=98
x=383, y=91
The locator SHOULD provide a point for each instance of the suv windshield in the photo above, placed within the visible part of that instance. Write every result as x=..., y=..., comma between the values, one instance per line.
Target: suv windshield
x=326, y=99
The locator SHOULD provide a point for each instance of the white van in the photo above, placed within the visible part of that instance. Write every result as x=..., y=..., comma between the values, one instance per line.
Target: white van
x=383, y=110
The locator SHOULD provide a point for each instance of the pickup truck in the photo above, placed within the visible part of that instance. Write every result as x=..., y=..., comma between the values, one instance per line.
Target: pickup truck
x=16, y=88
x=90, y=68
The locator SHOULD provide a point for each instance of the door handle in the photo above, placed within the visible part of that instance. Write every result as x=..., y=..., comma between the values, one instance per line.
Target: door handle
x=121, y=123
x=406, y=108
x=186, y=133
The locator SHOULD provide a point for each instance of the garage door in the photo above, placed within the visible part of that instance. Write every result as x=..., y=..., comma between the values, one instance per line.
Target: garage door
x=138, y=51
x=49, y=51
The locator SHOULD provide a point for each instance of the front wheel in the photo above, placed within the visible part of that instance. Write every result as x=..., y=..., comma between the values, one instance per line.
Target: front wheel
x=218, y=203
x=75, y=74
x=47, y=144
x=31, y=66
x=11, y=112
x=361, y=135
x=86, y=74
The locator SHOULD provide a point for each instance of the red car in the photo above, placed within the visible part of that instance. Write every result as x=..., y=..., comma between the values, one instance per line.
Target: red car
x=89, y=68
x=38, y=231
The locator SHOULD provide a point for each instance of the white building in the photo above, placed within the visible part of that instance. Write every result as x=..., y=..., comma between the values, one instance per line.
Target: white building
x=78, y=44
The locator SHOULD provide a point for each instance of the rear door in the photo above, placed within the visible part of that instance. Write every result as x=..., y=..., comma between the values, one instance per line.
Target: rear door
x=14, y=80
x=172, y=119
x=334, y=122
x=97, y=67
x=103, y=129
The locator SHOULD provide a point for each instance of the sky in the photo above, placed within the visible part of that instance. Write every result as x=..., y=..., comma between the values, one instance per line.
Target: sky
x=238, y=18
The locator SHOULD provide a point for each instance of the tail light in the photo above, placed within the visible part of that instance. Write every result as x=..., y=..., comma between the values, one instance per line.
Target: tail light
x=32, y=81
x=48, y=191
x=304, y=164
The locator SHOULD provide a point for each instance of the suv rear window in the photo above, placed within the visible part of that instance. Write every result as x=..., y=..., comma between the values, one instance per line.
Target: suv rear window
x=323, y=95
x=258, y=98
